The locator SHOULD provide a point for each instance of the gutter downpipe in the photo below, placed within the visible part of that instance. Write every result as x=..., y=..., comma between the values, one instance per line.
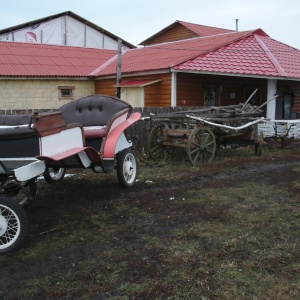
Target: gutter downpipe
x=173, y=88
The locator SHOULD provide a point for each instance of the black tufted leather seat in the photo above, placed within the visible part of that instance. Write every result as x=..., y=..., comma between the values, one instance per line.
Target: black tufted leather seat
x=94, y=110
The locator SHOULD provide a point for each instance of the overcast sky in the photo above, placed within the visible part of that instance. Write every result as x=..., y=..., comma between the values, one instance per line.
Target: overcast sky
x=136, y=20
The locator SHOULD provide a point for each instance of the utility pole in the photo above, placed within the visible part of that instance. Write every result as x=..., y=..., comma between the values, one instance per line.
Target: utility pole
x=119, y=63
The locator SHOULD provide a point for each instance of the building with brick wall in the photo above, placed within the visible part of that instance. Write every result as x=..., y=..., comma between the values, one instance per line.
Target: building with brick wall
x=39, y=76
x=39, y=71
x=41, y=94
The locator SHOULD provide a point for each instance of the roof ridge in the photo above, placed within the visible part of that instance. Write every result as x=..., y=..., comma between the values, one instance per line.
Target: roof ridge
x=195, y=38
x=206, y=26
x=270, y=55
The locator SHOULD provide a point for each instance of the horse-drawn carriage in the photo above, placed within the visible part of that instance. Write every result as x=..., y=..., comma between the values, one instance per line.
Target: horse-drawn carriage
x=86, y=133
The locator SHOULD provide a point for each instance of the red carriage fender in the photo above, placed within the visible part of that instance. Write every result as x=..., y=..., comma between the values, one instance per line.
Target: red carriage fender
x=113, y=136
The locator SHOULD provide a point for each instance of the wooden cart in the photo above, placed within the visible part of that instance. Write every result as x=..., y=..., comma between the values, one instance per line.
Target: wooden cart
x=197, y=134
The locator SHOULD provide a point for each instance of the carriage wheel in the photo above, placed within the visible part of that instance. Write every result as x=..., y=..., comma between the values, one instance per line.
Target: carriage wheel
x=201, y=146
x=155, y=143
x=54, y=175
x=13, y=225
x=127, y=167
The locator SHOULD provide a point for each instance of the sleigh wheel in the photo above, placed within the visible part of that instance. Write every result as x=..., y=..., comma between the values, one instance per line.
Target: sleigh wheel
x=201, y=146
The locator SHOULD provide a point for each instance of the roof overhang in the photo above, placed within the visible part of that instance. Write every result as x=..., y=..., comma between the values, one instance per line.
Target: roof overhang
x=24, y=78
x=234, y=75
x=137, y=83
x=133, y=74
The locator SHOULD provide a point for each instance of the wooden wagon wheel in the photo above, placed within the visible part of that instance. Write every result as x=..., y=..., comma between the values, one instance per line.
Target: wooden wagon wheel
x=155, y=143
x=201, y=146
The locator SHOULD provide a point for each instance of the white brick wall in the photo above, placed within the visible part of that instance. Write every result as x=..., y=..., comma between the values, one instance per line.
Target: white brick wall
x=39, y=94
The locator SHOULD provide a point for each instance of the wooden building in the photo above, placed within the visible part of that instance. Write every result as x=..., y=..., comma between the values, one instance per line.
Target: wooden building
x=219, y=69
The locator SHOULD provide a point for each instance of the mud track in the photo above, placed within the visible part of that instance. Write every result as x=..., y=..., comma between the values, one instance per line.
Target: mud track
x=17, y=270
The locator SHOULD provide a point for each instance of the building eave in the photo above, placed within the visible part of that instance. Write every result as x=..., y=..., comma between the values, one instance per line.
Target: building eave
x=127, y=75
x=236, y=75
x=45, y=78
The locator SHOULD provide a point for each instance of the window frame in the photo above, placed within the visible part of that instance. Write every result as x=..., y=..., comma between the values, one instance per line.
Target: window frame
x=70, y=96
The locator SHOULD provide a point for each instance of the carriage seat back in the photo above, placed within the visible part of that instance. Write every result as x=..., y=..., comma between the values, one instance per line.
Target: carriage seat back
x=93, y=112
x=15, y=126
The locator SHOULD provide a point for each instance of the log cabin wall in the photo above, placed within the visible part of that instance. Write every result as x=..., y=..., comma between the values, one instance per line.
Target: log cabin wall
x=228, y=89
x=157, y=94
x=238, y=89
x=191, y=89
x=177, y=32
x=105, y=87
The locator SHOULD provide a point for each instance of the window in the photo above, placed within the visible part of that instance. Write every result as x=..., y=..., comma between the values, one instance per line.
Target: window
x=210, y=95
x=66, y=92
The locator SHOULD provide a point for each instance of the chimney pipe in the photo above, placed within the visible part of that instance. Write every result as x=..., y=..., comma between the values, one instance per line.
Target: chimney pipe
x=237, y=24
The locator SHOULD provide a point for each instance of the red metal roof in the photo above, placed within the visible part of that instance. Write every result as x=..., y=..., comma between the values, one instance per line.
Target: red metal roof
x=24, y=59
x=257, y=55
x=248, y=53
x=166, y=55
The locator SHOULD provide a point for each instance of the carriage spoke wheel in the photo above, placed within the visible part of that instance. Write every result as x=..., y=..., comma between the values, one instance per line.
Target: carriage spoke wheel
x=201, y=146
x=13, y=224
x=155, y=144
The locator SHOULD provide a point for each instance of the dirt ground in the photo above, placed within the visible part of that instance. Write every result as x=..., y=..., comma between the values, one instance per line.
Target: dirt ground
x=54, y=254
